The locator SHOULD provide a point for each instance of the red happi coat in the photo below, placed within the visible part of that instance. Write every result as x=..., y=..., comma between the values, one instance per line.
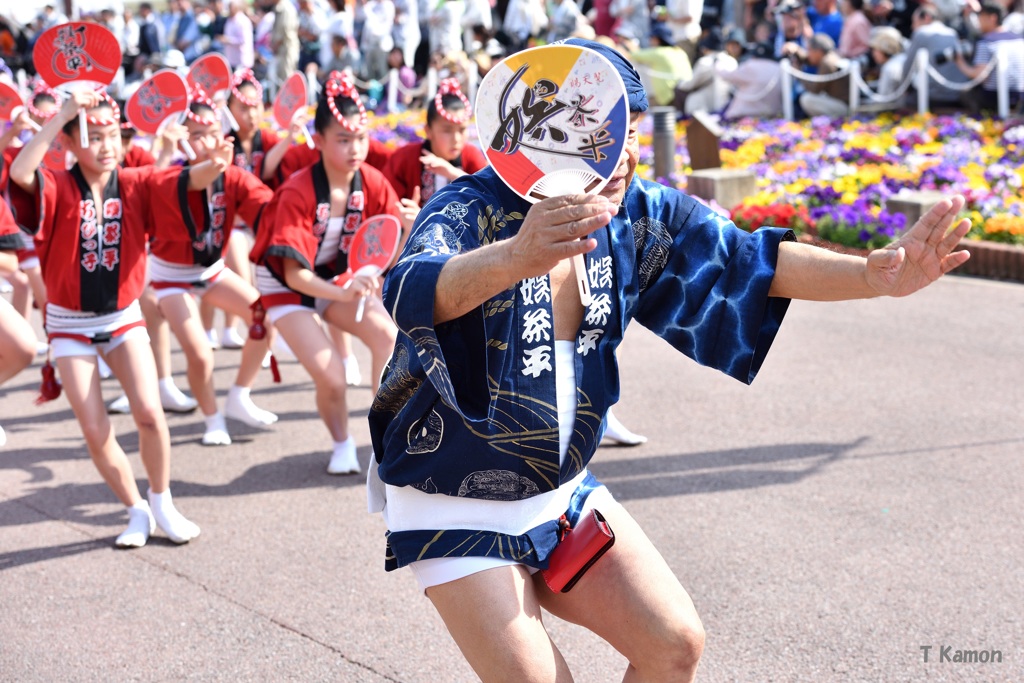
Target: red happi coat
x=299, y=157
x=136, y=157
x=6, y=159
x=92, y=252
x=262, y=143
x=295, y=222
x=191, y=228
x=405, y=172
x=10, y=233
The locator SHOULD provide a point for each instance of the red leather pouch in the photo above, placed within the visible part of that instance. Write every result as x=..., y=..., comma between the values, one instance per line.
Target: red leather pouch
x=581, y=546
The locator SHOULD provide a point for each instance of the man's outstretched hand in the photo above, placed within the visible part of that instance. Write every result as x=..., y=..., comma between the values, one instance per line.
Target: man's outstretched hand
x=922, y=255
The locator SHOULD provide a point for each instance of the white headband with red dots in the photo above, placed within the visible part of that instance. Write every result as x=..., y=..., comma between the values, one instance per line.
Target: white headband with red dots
x=340, y=84
x=450, y=86
x=115, y=113
x=246, y=76
x=198, y=95
x=42, y=89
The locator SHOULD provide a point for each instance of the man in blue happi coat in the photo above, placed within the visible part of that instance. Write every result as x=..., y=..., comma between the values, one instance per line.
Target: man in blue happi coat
x=492, y=404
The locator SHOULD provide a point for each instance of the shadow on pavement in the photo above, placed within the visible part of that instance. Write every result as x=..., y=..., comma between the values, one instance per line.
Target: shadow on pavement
x=20, y=558
x=714, y=471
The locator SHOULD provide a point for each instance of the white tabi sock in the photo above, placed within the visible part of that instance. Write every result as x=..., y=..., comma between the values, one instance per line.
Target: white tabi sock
x=172, y=522
x=216, y=431
x=172, y=399
x=344, y=459
x=140, y=526
x=353, y=377
x=240, y=407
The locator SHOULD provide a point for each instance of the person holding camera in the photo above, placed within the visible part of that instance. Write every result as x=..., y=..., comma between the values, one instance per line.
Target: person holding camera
x=995, y=41
x=931, y=34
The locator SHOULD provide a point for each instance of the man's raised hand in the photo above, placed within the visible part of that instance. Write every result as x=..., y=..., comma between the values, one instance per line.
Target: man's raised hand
x=923, y=254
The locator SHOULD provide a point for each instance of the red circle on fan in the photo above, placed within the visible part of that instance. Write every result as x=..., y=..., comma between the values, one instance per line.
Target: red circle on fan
x=211, y=72
x=163, y=95
x=374, y=245
x=553, y=120
x=56, y=158
x=77, y=52
x=291, y=98
x=11, y=103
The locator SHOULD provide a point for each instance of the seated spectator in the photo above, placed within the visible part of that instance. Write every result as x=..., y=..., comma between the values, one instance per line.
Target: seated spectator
x=934, y=36
x=735, y=43
x=238, y=37
x=683, y=17
x=794, y=27
x=706, y=90
x=824, y=17
x=994, y=39
x=853, y=39
x=312, y=24
x=887, y=52
x=624, y=39
x=831, y=98
x=343, y=57
x=565, y=19
x=662, y=65
x=757, y=85
x=764, y=32
x=635, y=15
x=895, y=13
x=1014, y=19
x=406, y=77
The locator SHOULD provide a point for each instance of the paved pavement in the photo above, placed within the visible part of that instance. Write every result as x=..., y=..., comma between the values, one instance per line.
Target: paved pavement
x=861, y=500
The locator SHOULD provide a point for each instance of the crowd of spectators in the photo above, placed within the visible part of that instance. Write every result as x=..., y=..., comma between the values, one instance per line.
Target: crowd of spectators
x=720, y=56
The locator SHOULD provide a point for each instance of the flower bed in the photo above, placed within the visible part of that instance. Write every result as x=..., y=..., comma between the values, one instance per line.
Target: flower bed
x=833, y=178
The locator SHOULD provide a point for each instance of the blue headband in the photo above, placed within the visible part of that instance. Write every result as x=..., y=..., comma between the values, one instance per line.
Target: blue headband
x=634, y=87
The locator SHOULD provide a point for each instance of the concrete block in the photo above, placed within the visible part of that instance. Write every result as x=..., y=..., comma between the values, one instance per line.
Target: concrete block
x=727, y=186
x=913, y=205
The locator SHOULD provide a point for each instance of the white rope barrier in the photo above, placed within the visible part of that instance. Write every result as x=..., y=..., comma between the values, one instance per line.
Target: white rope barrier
x=650, y=73
x=788, y=73
x=963, y=86
x=920, y=76
x=892, y=97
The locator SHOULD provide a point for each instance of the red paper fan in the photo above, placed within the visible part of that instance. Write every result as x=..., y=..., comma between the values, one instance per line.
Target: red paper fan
x=77, y=52
x=291, y=98
x=210, y=72
x=163, y=95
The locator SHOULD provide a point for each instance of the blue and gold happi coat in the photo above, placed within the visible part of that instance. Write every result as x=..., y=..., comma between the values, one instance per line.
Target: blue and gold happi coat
x=468, y=407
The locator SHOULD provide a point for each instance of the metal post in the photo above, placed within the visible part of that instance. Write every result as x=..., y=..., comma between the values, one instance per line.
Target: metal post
x=664, y=144
x=393, y=83
x=854, y=86
x=431, y=82
x=921, y=60
x=1002, y=83
x=787, y=90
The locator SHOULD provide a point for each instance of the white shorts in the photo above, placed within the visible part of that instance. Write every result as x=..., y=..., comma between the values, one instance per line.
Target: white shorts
x=275, y=313
x=438, y=570
x=63, y=347
x=268, y=285
x=81, y=324
x=405, y=508
x=168, y=278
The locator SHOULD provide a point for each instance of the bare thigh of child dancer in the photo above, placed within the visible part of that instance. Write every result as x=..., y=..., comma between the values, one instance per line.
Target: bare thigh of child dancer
x=302, y=331
x=17, y=346
x=229, y=292
x=376, y=329
x=131, y=361
x=171, y=397
x=236, y=258
x=343, y=342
